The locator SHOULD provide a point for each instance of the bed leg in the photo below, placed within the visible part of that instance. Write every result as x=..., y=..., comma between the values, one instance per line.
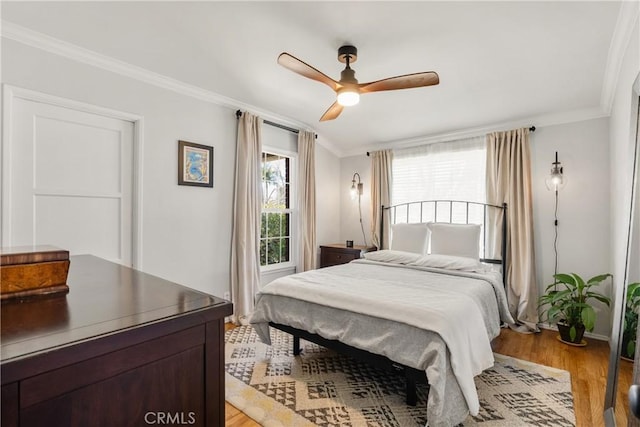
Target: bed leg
x=412, y=397
x=296, y=345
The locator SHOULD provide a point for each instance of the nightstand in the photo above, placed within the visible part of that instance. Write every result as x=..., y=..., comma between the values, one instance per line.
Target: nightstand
x=339, y=253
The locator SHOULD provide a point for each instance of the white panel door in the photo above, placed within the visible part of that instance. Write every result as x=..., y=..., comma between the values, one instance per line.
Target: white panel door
x=70, y=183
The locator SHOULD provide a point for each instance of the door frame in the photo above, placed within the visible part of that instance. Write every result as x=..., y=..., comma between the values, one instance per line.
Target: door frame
x=9, y=94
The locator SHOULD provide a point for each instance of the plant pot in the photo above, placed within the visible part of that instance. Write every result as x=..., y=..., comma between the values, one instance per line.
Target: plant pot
x=565, y=335
x=624, y=353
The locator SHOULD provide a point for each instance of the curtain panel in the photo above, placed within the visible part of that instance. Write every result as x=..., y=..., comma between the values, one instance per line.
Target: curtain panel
x=247, y=208
x=307, y=199
x=381, y=182
x=509, y=180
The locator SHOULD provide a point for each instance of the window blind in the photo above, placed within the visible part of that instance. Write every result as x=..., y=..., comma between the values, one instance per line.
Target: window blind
x=443, y=171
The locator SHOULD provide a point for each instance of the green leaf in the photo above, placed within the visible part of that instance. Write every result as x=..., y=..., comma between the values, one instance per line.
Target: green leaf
x=599, y=297
x=548, y=295
x=588, y=317
x=566, y=279
x=579, y=305
x=633, y=290
x=599, y=278
x=560, y=295
x=551, y=286
x=573, y=333
x=553, y=313
x=631, y=349
x=579, y=282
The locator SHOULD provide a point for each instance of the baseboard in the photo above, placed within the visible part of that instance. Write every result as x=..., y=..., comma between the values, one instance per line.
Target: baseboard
x=586, y=334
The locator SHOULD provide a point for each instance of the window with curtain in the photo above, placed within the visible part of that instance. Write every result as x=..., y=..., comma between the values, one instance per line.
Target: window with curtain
x=276, y=222
x=442, y=171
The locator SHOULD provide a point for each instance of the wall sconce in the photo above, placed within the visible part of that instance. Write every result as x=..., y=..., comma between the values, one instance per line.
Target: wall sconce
x=556, y=179
x=555, y=182
x=356, y=189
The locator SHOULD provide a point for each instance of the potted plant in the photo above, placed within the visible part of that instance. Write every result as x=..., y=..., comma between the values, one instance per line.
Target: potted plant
x=567, y=304
x=631, y=307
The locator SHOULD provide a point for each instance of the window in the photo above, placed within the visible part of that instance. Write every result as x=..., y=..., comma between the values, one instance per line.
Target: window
x=276, y=224
x=443, y=171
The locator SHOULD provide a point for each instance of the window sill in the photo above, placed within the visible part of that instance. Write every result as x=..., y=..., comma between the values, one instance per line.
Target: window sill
x=277, y=269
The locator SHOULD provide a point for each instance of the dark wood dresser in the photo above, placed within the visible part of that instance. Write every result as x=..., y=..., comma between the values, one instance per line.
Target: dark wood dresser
x=339, y=253
x=122, y=348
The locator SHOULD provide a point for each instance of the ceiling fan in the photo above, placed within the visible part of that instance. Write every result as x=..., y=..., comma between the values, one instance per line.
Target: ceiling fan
x=347, y=89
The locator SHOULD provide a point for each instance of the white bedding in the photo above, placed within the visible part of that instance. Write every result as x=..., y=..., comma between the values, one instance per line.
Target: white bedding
x=464, y=309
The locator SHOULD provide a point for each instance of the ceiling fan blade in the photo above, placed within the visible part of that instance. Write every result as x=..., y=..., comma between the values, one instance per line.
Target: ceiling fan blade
x=428, y=78
x=306, y=70
x=332, y=112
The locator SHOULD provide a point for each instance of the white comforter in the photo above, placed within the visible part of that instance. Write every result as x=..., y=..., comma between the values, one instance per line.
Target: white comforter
x=420, y=297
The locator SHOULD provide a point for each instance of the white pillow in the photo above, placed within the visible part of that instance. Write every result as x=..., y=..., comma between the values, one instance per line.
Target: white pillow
x=449, y=262
x=395, y=257
x=410, y=238
x=455, y=239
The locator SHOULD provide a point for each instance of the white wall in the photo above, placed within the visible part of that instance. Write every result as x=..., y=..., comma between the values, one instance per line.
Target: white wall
x=186, y=230
x=583, y=244
x=583, y=204
x=328, y=199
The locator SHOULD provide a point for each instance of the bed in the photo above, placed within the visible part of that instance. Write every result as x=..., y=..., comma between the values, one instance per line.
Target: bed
x=428, y=306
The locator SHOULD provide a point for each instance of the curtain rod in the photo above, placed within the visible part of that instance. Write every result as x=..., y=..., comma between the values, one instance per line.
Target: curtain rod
x=277, y=125
x=531, y=129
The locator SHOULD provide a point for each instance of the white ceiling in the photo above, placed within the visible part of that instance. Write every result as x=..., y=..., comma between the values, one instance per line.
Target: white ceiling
x=499, y=62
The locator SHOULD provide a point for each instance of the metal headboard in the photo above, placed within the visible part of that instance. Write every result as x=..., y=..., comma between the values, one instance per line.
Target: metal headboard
x=443, y=211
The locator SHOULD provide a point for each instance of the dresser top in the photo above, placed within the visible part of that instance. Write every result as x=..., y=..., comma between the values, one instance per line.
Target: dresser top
x=103, y=298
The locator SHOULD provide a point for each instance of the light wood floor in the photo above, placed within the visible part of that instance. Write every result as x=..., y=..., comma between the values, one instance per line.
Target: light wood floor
x=587, y=365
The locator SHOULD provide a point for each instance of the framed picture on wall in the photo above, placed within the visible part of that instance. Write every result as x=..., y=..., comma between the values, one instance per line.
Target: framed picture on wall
x=195, y=164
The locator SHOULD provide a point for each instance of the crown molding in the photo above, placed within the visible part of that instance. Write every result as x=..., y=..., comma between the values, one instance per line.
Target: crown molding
x=541, y=121
x=627, y=19
x=41, y=41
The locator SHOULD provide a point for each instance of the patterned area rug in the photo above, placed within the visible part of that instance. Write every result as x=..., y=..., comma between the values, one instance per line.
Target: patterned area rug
x=324, y=388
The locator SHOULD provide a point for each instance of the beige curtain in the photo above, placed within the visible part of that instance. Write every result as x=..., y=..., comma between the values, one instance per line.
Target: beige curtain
x=381, y=178
x=247, y=206
x=509, y=180
x=307, y=199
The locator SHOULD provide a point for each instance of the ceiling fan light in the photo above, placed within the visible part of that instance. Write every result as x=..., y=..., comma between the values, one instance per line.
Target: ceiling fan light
x=348, y=97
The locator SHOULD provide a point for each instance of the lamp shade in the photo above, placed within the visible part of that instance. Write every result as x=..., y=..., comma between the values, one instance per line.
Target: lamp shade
x=556, y=179
x=356, y=188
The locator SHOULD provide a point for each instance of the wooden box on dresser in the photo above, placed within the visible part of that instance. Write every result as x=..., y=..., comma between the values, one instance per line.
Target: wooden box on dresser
x=122, y=348
x=339, y=253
